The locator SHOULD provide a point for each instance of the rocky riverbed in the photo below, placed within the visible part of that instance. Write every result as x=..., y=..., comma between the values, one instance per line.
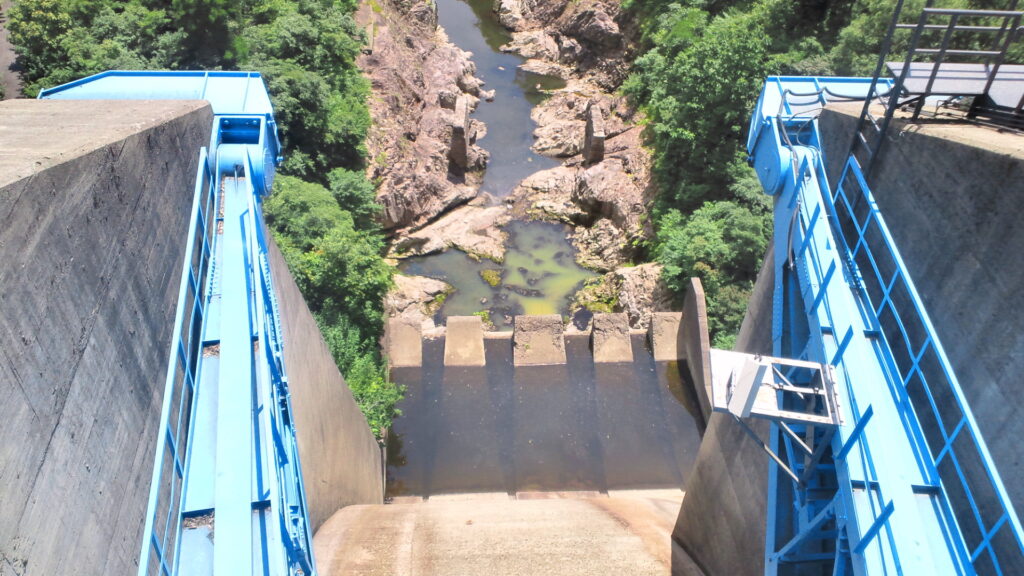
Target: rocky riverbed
x=586, y=169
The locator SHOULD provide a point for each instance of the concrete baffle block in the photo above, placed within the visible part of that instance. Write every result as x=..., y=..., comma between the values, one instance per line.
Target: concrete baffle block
x=666, y=340
x=458, y=155
x=404, y=343
x=610, y=338
x=593, y=141
x=538, y=340
x=464, y=341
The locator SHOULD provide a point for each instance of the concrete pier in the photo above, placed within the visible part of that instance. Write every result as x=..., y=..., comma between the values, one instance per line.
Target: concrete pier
x=667, y=341
x=610, y=338
x=539, y=340
x=459, y=152
x=404, y=343
x=593, y=140
x=464, y=341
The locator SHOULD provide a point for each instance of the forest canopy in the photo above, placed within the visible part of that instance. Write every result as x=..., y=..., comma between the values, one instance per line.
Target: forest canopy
x=697, y=79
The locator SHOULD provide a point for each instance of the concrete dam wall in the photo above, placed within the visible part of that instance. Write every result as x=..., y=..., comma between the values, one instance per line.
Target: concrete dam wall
x=94, y=201
x=539, y=409
x=721, y=523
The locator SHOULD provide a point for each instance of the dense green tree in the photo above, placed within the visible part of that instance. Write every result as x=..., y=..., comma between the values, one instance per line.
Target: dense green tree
x=721, y=243
x=340, y=268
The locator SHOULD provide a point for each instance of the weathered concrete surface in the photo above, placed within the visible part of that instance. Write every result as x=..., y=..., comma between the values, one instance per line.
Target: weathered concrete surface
x=464, y=341
x=538, y=340
x=951, y=195
x=698, y=344
x=404, y=343
x=341, y=459
x=610, y=338
x=722, y=520
x=564, y=534
x=665, y=334
x=94, y=206
x=573, y=426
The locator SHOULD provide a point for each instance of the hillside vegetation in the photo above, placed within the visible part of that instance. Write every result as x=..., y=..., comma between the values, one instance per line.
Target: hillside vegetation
x=322, y=210
x=697, y=80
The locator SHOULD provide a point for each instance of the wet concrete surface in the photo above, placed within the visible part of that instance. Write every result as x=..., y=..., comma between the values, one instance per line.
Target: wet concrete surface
x=577, y=426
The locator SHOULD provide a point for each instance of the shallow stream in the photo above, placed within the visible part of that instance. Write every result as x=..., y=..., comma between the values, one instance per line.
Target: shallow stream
x=539, y=273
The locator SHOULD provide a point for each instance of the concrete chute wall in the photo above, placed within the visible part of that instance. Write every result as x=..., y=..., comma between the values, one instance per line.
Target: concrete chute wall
x=341, y=460
x=721, y=523
x=94, y=200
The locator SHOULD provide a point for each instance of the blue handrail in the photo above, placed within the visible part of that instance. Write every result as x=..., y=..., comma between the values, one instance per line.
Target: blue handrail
x=180, y=384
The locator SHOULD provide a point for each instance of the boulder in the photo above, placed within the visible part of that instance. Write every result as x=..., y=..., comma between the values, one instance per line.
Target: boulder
x=606, y=190
x=512, y=13
x=560, y=139
x=472, y=229
x=415, y=299
x=533, y=44
x=602, y=246
x=636, y=291
x=641, y=292
x=547, y=195
x=595, y=27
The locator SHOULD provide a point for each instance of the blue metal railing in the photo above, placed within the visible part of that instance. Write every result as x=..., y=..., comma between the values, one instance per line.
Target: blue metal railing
x=163, y=513
x=291, y=494
x=929, y=393
x=878, y=334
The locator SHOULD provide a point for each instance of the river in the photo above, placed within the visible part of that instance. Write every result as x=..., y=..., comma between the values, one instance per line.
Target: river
x=539, y=274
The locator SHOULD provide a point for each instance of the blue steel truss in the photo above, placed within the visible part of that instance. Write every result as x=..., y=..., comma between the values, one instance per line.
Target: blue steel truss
x=908, y=485
x=227, y=494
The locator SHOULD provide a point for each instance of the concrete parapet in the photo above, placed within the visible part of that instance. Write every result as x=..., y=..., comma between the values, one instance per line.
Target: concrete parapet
x=593, y=141
x=404, y=343
x=610, y=338
x=538, y=340
x=464, y=341
x=95, y=198
x=665, y=334
x=459, y=152
x=697, y=344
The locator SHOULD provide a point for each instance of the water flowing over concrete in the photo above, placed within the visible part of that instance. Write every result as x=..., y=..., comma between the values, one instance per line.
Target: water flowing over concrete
x=571, y=426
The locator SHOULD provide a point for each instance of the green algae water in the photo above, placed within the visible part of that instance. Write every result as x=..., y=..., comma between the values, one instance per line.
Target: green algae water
x=539, y=275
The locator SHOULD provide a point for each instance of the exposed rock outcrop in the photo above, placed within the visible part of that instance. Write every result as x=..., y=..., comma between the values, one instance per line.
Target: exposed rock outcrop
x=607, y=201
x=636, y=290
x=513, y=13
x=590, y=35
x=472, y=229
x=416, y=298
x=417, y=77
